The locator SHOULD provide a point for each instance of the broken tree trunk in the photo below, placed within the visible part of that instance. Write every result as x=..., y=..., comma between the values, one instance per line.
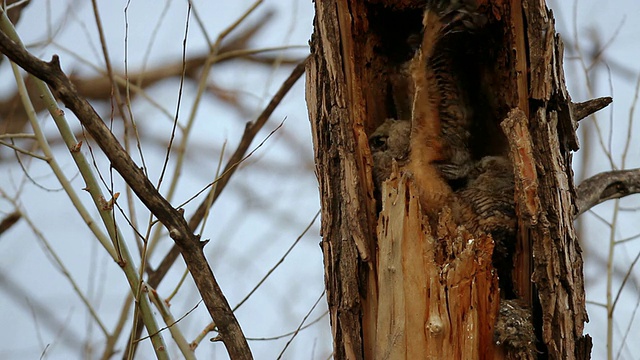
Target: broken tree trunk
x=425, y=278
x=391, y=294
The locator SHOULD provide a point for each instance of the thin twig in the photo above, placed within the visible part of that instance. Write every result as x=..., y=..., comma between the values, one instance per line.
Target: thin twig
x=57, y=261
x=280, y=261
x=304, y=319
x=270, y=338
x=23, y=151
x=183, y=345
x=251, y=130
x=179, y=230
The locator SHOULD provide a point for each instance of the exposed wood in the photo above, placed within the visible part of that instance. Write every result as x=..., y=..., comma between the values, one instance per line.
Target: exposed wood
x=432, y=287
x=527, y=202
x=516, y=39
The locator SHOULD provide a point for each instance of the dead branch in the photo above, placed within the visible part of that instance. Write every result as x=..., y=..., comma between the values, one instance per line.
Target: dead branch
x=249, y=134
x=189, y=244
x=251, y=130
x=606, y=186
x=583, y=109
x=9, y=221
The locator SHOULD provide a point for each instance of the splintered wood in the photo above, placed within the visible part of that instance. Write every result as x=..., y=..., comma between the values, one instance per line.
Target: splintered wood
x=432, y=286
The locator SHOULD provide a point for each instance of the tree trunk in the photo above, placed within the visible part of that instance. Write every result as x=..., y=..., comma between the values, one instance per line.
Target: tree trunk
x=393, y=293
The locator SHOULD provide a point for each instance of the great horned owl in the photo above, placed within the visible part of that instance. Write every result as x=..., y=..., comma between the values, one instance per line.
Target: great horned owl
x=486, y=204
x=435, y=148
x=514, y=330
x=435, y=145
x=455, y=113
x=389, y=142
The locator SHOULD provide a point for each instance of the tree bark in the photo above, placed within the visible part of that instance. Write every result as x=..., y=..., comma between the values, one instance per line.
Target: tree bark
x=557, y=258
x=391, y=294
x=337, y=107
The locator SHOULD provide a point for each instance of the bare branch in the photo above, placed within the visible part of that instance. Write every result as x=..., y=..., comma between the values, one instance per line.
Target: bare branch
x=9, y=221
x=583, y=109
x=13, y=118
x=606, y=186
x=189, y=244
x=14, y=11
x=251, y=130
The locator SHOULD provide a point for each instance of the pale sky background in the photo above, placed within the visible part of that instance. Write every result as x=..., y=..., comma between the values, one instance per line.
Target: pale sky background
x=272, y=198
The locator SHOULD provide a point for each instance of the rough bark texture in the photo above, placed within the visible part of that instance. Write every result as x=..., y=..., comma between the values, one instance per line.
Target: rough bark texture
x=557, y=259
x=338, y=107
x=386, y=295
